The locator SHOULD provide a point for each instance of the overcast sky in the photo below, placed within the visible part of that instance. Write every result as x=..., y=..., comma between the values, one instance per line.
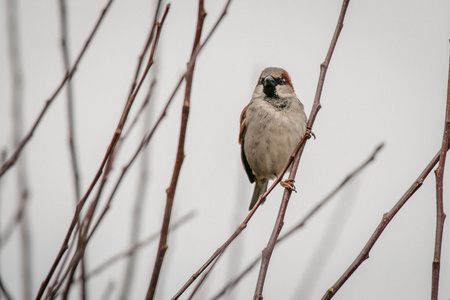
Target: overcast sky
x=387, y=82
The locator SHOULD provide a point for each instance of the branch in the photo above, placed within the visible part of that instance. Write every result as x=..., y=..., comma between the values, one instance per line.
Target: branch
x=71, y=122
x=110, y=150
x=17, y=103
x=267, y=252
x=387, y=217
x=302, y=222
x=12, y=160
x=178, y=161
x=141, y=189
x=440, y=215
x=70, y=112
x=4, y=291
x=137, y=246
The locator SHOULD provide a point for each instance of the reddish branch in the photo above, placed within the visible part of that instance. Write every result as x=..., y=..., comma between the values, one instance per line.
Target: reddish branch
x=71, y=123
x=296, y=154
x=387, y=217
x=12, y=160
x=179, y=158
x=302, y=222
x=135, y=247
x=440, y=215
x=267, y=252
x=241, y=227
x=100, y=171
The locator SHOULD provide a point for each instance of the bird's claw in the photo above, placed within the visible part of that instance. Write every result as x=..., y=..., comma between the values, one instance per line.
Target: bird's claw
x=288, y=184
x=310, y=133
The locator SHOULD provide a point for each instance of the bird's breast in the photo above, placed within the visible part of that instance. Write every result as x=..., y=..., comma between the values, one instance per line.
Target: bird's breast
x=272, y=135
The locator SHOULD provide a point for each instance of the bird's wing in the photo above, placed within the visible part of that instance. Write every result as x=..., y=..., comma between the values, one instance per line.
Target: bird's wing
x=242, y=131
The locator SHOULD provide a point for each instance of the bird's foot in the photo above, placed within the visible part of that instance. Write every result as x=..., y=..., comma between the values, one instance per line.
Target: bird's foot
x=288, y=184
x=310, y=133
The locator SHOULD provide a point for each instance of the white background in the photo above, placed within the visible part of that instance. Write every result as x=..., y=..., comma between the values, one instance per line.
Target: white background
x=387, y=82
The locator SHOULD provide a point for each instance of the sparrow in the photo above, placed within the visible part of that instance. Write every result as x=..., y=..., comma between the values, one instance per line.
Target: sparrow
x=271, y=126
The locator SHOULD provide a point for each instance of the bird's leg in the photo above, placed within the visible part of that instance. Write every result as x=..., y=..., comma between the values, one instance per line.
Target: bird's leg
x=310, y=133
x=288, y=184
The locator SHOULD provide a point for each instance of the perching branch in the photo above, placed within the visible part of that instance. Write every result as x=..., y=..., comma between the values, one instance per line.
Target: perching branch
x=267, y=252
x=440, y=215
x=302, y=222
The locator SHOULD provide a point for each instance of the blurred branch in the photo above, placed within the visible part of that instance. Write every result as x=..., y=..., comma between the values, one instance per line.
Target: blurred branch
x=141, y=189
x=17, y=104
x=108, y=291
x=440, y=215
x=139, y=112
x=71, y=122
x=70, y=110
x=133, y=249
x=387, y=217
x=146, y=46
x=4, y=291
x=106, y=158
x=178, y=161
x=267, y=252
x=302, y=223
x=11, y=161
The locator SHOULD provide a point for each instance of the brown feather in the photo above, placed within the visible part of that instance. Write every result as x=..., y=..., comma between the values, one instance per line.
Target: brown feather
x=242, y=131
x=287, y=78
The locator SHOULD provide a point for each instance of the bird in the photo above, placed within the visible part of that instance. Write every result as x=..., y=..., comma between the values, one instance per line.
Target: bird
x=271, y=126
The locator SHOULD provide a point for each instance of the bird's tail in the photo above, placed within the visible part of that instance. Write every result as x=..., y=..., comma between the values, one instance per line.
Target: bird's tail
x=260, y=188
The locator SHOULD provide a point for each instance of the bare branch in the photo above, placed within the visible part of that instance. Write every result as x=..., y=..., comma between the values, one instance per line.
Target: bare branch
x=138, y=246
x=12, y=160
x=106, y=158
x=440, y=215
x=302, y=222
x=71, y=121
x=267, y=252
x=387, y=217
x=4, y=291
x=178, y=161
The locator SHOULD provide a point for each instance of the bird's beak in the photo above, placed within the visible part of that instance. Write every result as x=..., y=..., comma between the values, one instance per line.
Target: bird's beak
x=269, y=84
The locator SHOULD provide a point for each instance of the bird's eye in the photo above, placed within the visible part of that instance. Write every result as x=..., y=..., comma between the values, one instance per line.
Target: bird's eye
x=280, y=80
x=262, y=81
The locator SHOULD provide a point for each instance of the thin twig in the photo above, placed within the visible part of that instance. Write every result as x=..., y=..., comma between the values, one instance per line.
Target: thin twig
x=178, y=161
x=12, y=160
x=138, y=246
x=71, y=122
x=387, y=217
x=267, y=252
x=305, y=219
x=136, y=220
x=440, y=215
x=69, y=90
x=109, y=160
x=241, y=227
x=203, y=279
